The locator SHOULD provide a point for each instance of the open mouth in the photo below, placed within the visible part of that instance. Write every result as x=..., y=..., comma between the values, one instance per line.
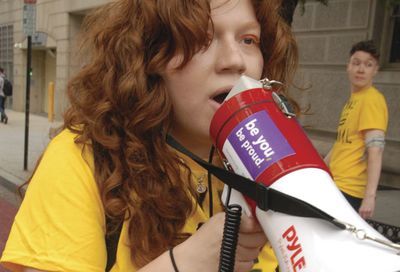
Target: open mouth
x=220, y=98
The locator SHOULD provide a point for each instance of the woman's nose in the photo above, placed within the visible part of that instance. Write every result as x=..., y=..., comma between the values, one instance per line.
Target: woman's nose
x=230, y=58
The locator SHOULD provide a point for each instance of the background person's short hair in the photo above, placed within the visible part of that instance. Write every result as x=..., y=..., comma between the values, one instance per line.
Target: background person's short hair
x=366, y=46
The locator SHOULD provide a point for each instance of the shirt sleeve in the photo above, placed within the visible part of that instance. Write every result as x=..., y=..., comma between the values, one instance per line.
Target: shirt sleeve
x=374, y=113
x=60, y=224
x=1, y=84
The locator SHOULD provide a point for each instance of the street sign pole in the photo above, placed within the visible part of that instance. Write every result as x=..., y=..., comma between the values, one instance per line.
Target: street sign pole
x=27, y=100
x=29, y=25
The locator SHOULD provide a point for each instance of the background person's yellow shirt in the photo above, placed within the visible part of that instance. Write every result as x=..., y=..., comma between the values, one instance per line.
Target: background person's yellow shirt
x=365, y=109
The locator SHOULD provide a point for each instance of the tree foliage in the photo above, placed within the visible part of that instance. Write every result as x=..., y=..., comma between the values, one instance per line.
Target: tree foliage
x=325, y=2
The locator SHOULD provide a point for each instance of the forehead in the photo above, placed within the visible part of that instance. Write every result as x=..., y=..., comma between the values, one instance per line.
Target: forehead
x=362, y=56
x=230, y=14
x=220, y=7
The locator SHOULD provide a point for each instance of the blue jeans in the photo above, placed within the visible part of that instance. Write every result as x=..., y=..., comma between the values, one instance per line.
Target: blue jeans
x=2, y=107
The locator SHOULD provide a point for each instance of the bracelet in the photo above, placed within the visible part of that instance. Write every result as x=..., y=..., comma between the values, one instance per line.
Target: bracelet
x=171, y=255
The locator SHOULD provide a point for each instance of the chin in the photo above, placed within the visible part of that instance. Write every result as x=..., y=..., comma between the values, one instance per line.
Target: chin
x=360, y=87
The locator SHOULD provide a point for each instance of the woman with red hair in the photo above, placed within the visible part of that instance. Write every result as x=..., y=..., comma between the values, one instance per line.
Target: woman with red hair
x=149, y=69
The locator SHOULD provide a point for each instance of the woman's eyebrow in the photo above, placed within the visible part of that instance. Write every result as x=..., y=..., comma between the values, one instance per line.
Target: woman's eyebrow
x=250, y=25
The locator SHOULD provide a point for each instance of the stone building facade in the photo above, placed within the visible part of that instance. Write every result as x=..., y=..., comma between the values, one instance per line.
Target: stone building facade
x=324, y=33
x=53, y=49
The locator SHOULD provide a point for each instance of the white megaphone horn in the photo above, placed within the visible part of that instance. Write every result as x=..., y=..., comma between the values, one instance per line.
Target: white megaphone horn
x=259, y=139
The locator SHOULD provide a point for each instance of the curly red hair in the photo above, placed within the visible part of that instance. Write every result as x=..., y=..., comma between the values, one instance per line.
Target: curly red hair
x=119, y=106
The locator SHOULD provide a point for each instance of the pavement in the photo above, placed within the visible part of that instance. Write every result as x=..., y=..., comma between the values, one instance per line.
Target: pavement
x=12, y=173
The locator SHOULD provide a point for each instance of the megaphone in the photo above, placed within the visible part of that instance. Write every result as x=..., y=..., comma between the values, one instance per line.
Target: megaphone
x=259, y=138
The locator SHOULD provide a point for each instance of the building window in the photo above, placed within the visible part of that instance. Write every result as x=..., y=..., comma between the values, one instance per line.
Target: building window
x=394, y=56
x=7, y=54
x=7, y=49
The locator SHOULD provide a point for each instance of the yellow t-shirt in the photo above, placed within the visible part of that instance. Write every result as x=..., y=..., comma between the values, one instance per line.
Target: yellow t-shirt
x=366, y=109
x=60, y=225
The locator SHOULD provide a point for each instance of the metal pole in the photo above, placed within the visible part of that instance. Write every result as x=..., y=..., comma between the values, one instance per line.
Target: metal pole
x=28, y=91
x=50, y=110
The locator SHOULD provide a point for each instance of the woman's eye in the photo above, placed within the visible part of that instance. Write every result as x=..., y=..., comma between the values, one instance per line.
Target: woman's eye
x=251, y=40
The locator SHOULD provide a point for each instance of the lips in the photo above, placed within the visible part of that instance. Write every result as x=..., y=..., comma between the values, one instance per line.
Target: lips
x=220, y=98
x=220, y=95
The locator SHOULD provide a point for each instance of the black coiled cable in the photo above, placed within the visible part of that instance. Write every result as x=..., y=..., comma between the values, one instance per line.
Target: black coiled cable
x=230, y=237
x=232, y=217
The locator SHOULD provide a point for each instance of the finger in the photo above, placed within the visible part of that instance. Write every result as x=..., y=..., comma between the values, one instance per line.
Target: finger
x=371, y=213
x=249, y=225
x=241, y=266
x=365, y=214
x=362, y=215
x=246, y=254
x=253, y=240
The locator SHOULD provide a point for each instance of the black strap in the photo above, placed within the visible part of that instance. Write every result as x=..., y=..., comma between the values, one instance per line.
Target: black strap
x=171, y=256
x=112, y=240
x=266, y=198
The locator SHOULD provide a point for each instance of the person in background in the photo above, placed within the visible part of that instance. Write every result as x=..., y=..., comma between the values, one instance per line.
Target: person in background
x=355, y=159
x=3, y=97
x=151, y=68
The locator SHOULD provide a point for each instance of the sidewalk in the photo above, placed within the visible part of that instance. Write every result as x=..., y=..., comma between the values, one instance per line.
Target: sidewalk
x=12, y=142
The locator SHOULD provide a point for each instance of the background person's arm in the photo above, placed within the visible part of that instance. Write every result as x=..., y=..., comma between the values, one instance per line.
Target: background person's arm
x=1, y=83
x=374, y=150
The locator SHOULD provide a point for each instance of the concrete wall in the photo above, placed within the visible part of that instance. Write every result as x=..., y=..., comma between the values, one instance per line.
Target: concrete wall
x=325, y=35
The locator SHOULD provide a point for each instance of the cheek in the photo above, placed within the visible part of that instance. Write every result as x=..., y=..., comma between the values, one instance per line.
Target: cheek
x=256, y=66
x=260, y=65
x=350, y=69
x=351, y=72
x=182, y=93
